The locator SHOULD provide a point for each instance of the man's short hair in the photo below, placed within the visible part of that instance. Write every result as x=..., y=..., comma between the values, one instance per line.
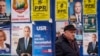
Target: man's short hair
x=27, y=27
x=94, y=35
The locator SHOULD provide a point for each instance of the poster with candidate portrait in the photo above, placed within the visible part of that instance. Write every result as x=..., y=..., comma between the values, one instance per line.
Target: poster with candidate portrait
x=42, y=39
x=75, y=15
x=17, y=33
x=90, y=44
x=20, y=10
x=5, y=12
x=90, y=23
x=5, y=40
x=75, y=11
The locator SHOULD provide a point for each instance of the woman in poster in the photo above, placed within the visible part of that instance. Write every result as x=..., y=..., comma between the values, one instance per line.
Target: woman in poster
x=4, y=47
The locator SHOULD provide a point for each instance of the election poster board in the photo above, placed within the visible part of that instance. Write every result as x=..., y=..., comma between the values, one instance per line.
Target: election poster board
x=40, y=10
x=61, y=10
x=17, y=33
x=42, y=39
x=20, y=10
x=16, y=14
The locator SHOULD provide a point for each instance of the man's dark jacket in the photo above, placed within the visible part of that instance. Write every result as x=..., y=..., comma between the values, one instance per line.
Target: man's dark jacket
x=21, y=46
x=90, y=48
x=64, y=48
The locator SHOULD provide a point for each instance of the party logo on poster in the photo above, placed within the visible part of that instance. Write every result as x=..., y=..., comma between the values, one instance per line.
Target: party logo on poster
x=20, y=5
x=40, y=10
x=61, y=9
x=89, y=6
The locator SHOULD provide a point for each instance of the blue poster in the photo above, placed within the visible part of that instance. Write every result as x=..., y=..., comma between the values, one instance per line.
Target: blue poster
x=42, y=39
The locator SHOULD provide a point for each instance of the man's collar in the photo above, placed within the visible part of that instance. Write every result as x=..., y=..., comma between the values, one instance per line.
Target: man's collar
x=78, y=14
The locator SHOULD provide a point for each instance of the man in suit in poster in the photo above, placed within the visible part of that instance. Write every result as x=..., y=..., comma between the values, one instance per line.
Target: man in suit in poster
x=76, y=17
x=4, y=16
x=24, y=47
x=77, y=13
x=93, y=23
x=2, y=8
x=93, y=46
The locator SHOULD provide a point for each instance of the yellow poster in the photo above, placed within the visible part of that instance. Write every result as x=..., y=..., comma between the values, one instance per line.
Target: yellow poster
x=40, y=10
x=61, y=10
x=89, y=6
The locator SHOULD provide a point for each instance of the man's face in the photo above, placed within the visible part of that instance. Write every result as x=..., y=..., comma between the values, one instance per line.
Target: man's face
x=26, y=32
x=78, y=7
x=2, y=7
x=93, y=38
x=70, y=34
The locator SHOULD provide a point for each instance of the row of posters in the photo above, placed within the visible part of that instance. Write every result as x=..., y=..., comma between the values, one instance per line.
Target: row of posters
x=83, y=15
x=12, y=39
x=65, y=8
x=24, y=10
x=17, y=26
x=90, y=35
